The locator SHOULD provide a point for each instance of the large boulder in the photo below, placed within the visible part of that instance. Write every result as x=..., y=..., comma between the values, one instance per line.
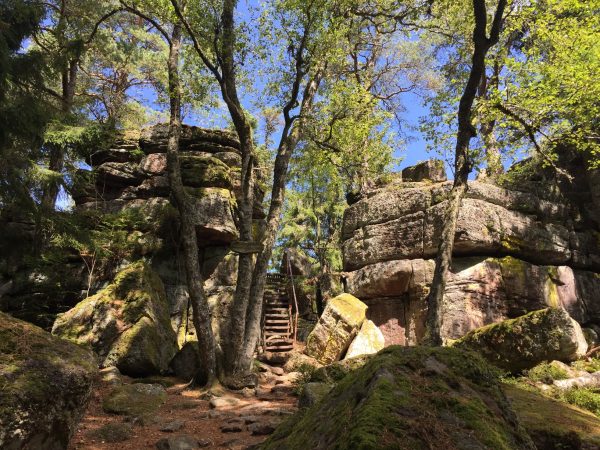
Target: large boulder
x=336, y=328
x=431, y=170
x=522, y=343
x=45, y=383
x=409, y=398
x=127, y=324
x=479, y=291
x=369, y=340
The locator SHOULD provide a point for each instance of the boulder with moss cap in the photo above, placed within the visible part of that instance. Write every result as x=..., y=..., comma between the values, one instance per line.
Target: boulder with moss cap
x=127, y=324
x=522, y=343
x=409, y=398
x=337, y=327
x=45, y=383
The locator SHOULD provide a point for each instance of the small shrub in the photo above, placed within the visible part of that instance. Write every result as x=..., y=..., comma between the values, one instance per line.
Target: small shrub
x=546, y=373
x=306, y=372
x=591, y=366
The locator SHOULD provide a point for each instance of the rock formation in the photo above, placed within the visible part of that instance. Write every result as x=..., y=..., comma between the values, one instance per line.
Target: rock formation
x=128, y=180
x=45, y=383
x=519, y=248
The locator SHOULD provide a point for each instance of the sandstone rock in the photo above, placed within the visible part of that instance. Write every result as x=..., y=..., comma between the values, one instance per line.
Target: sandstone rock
x=213, y=215
x=154, y=164
x=312, y=393
x=431, y=170
x=334, y=372
x=261, y=429
x=121, y=153
x=45, y=386
x=468, y=408
x=521, y=343
x=204, y=172
x=479, y=291
x=182, y=442
x=369, y=340
x=336, y=328
x=117, y=174
x=296, y=360
x=172, y=426
x=113, y=432
x=137, y=399
x=223, y=402
x=186, y=362
x=154, y=139
x=127, y=324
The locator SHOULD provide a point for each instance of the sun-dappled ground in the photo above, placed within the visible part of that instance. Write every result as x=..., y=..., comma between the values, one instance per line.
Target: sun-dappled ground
x=231, y=421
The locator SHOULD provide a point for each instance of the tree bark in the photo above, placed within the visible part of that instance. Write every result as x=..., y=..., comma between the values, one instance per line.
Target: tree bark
x=200, y=309
x=462, y=165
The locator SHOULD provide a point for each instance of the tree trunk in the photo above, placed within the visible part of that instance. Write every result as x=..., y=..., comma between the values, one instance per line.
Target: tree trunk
x=462, y=165
x=286, y=148
x=200, y=309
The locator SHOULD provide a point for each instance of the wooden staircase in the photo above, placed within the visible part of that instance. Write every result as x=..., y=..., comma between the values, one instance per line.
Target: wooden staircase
x=278, y=324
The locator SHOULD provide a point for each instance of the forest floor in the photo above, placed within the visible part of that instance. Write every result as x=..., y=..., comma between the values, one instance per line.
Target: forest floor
x=230, y=420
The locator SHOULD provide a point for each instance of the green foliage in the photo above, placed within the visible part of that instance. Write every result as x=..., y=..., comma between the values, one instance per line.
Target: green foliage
x=590, y=365
x=586, y=398
x=305, y=374
x=540, y=91
x=546, y=373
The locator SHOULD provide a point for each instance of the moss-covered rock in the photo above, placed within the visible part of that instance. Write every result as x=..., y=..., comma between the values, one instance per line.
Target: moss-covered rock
x=334, y=372
x=553, y=424
x=521, y=343
x=409, y=398
x=337, y=327
x=127, y=324
x=204, y=171
x=45, y=383
x=135, y=399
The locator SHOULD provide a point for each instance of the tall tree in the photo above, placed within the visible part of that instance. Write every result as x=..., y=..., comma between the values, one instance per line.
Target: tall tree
x=193, y=268
x=303, y=30
x=463, y=162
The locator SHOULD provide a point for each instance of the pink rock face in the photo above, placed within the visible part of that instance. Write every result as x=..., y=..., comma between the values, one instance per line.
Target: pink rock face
x=155, y=163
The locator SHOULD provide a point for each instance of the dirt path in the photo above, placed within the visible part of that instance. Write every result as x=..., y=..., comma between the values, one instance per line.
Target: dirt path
x=245, y=421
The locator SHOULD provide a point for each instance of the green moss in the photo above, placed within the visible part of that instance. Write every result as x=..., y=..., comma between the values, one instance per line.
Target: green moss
x=134, y=399
x=521, y=343
x=551, y=421
x=546, y=373
x=586, y=398
x=112, y=432
x=204, y=171
x=589, y=365
x=399, y=397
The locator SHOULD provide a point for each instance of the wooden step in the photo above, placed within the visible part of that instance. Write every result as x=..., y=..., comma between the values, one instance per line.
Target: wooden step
x=277, y=329
x=270, y=322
